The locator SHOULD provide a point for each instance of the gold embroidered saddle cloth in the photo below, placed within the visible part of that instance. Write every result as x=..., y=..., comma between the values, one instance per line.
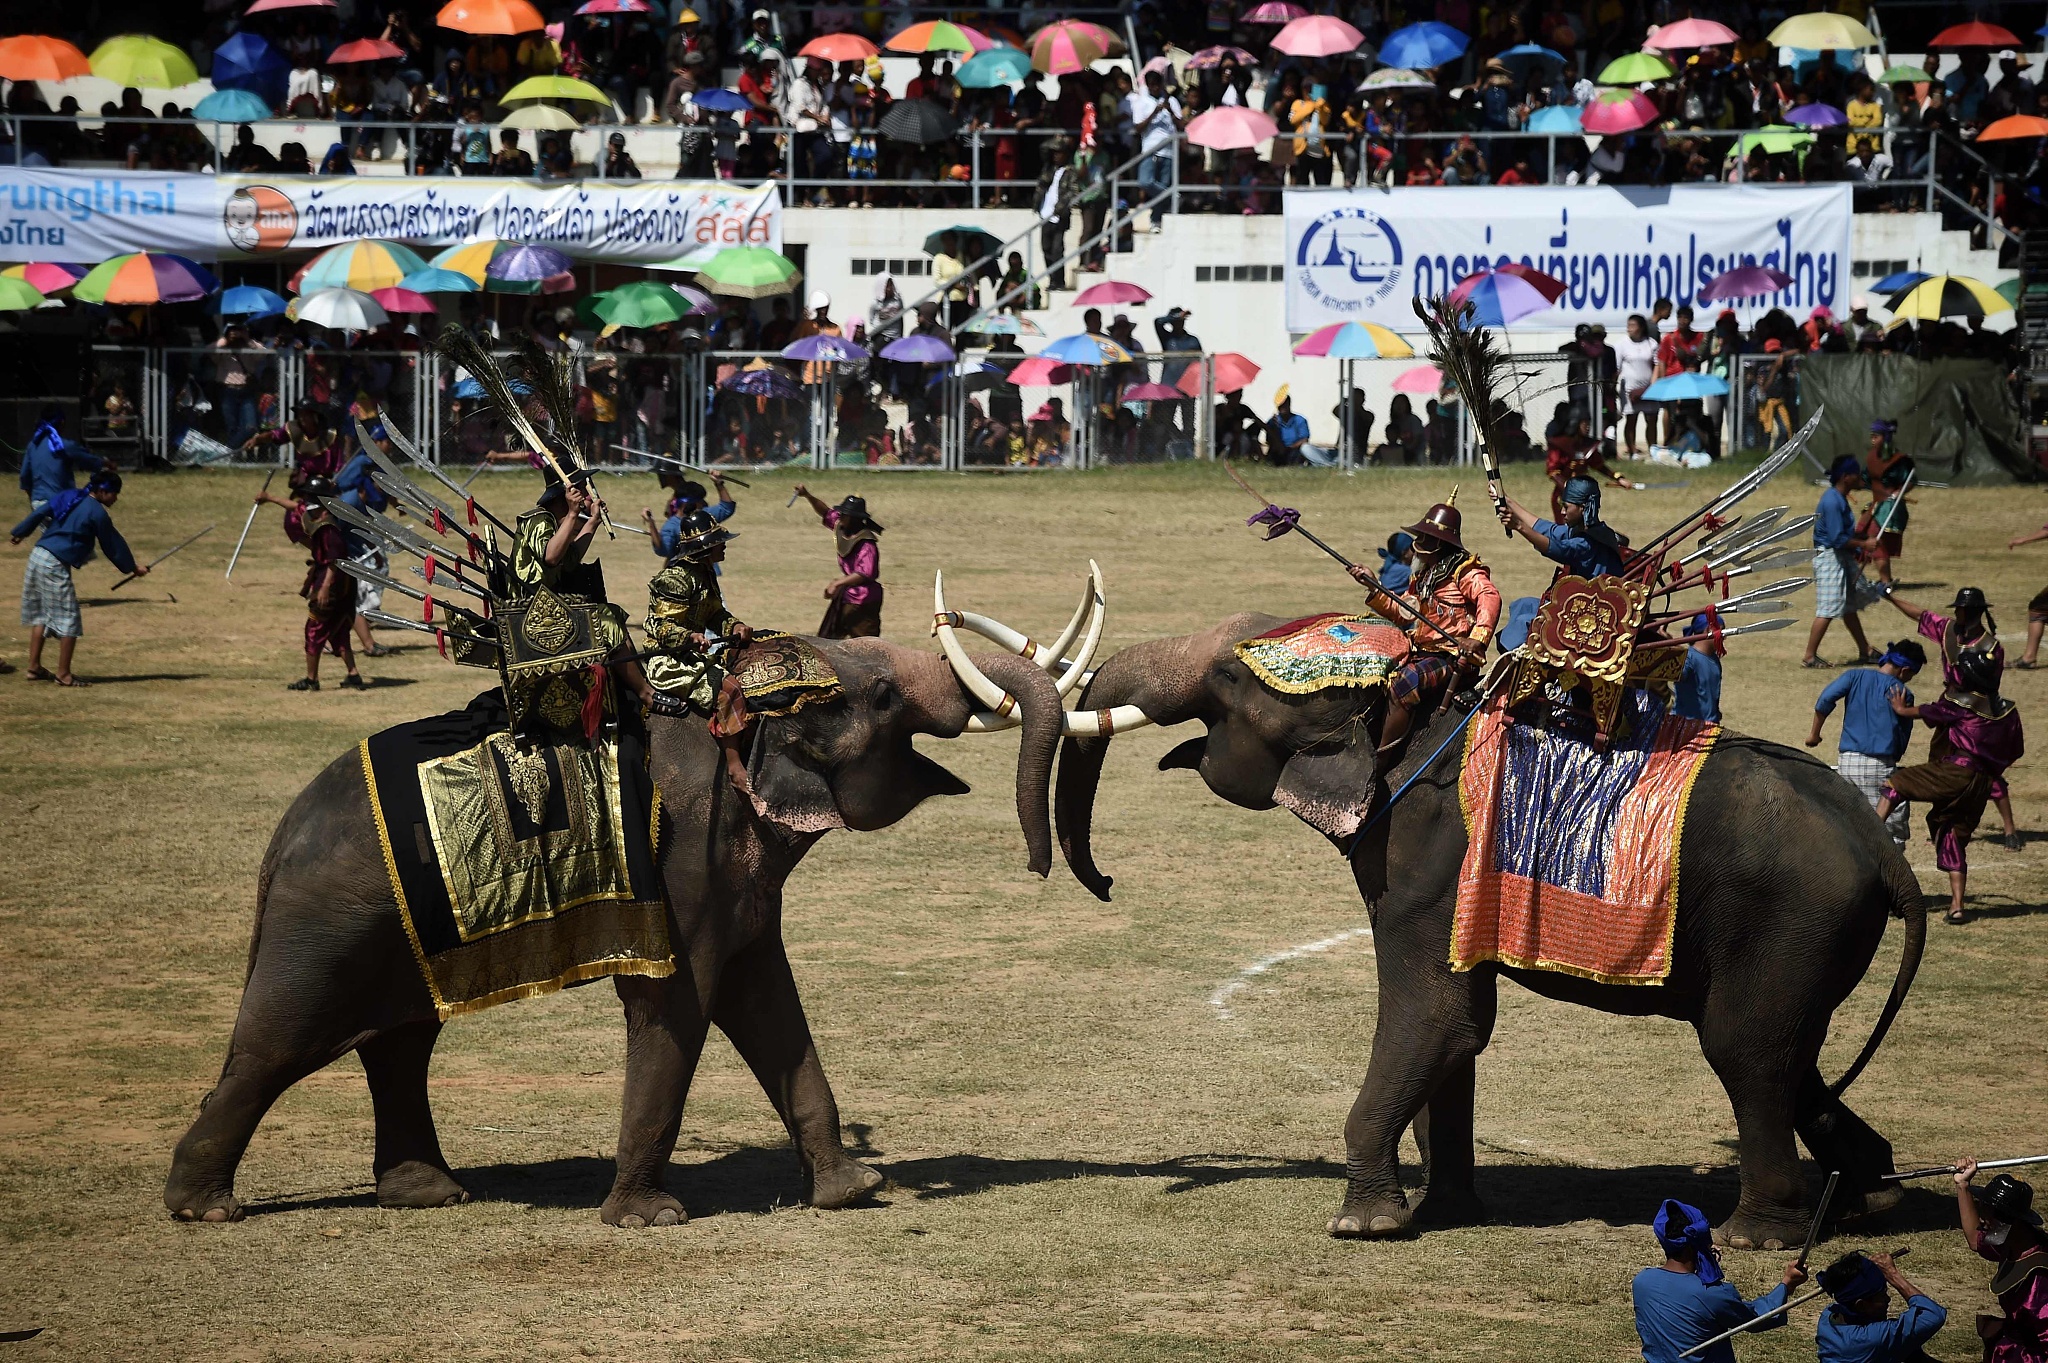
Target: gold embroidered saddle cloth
x=519, y=869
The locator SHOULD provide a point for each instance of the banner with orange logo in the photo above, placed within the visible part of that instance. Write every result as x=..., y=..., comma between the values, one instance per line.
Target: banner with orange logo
x=87, y=216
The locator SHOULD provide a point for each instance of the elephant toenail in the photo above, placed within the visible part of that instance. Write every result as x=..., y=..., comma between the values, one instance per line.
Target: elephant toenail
x=667, y=1217
x=631, y=1223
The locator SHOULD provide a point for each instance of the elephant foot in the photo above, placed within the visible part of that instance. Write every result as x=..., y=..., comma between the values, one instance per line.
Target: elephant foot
x=213, y=1209
x=1747, y=1230
x=1874, y=1202
x=415, y=1183
x=1451, y=1207
x=1371, y=1218
x=843, y=1184
x=636, y=1211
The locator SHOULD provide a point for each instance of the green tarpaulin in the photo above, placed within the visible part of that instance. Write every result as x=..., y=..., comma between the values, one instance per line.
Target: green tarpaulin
x=1957, y=418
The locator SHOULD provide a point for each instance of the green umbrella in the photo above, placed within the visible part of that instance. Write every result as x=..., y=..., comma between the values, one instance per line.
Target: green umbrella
x=2010, y=291
x=749, y=272
x=18, y=295
x=971, y=243
x=1904, y=73
x=1636, y=68
x=142, y=61
x=642, y=303
x=1776, y=139
x=554, y=87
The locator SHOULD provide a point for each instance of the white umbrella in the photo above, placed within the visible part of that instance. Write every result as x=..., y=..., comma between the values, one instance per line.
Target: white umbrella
x=545, y=117
x=343, y=310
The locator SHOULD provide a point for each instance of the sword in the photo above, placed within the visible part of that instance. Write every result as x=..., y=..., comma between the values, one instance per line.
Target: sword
x=411, y=452
x=1763, y=1316
x=1754, y=602
x=402, y=489
x=1950, y=1169
x=1748, y=550
x=1744, y=485
x=1728, y=536
x=1760, y=627
x=387, y=621
x=392, y=535
x=1884, y=527
x=461, y=584
x=254, y=507
x=686, y=464
x=1820, y=1212
x=160, y=558
x=392, y=584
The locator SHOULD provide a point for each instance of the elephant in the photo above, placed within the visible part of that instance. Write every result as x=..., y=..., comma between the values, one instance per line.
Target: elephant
x=330, y=969
x=1789, y=880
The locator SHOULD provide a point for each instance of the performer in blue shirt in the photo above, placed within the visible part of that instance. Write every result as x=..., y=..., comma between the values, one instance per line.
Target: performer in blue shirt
x=1873, y=737
x=1686, y=1300
x=688, y=499
x=1397, y=562
x=49, y=463
x=1698, y=692
x=75, y=522
x=1839, y=588
x=1859, y=1328
x=1582, y=543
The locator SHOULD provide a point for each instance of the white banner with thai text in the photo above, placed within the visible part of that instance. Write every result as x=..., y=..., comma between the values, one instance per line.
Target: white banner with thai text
x=85, y=216
x=1365, y=255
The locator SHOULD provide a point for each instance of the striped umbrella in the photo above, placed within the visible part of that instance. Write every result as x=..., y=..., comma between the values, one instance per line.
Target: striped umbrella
x=1355, y=341
x=30, y=56
x=1507, y=294
x=434, y=279
x=359, y=265
x=940, y=35
x=1070, y=45
x=145, y=277
x=1946, y=295
x=46, y=276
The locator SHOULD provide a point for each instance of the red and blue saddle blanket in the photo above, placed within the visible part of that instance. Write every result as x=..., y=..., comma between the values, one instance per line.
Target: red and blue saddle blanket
x=1326, y=650
x=1571, y=862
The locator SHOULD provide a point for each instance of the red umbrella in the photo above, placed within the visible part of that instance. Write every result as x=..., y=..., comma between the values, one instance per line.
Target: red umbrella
x=365, y=50
x=1976, y=33
x=31, y=56
x=1110, y=293
x=839, y=47
x=1038, y=372
x=402, y=300
x=1233, y=371
x=506, y=17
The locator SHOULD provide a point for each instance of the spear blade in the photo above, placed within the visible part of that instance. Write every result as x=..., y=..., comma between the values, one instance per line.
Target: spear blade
x=433, y=470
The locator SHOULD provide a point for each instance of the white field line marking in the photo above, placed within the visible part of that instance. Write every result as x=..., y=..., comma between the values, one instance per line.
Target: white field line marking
x=1242, y=980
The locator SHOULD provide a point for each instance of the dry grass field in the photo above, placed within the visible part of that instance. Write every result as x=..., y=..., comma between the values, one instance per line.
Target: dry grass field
x=1086, y=1156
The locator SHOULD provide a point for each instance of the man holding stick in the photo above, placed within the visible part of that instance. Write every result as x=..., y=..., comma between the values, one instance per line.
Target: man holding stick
x=1686, y=1300
x=74, y=522
x=1858, y=1328
x=2001, y=1225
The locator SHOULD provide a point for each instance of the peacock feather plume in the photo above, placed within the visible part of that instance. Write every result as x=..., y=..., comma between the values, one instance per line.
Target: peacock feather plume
x=461, y=346
x=549, y=374
x=1470, y=358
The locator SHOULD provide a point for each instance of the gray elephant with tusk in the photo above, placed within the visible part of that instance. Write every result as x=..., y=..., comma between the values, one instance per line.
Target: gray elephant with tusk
x=331, y=969
x=1789, y=880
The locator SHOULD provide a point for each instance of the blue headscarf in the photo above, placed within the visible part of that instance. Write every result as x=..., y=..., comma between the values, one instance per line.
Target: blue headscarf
x=1682, y=1229
x=1583, y=491
x=1849, y=1283
x=1843, y=467
x=1399, y=544
x=61, y=505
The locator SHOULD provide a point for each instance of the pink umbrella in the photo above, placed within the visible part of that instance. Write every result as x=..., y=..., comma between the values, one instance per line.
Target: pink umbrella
x=1153, y=392
x=1233, y=371
x=616, y=7
x=1110, y=293
x=1037, y=372
x=1423, y=378
x=1068, y=46
x=402, y=300
x=266, y=6
x=1318, y=35
x=1231, y=127
x=1276, y=12
x=1618, y=111
x=365, y=50
x=1690, y=33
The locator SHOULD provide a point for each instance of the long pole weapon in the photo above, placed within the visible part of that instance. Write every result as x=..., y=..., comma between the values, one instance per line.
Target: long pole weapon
x=1775, y=1311
x=1950, y=1168
x=160, y=558
x=1820, y=1213
x=254, y=507
x=1885, y=526
x=686, y=464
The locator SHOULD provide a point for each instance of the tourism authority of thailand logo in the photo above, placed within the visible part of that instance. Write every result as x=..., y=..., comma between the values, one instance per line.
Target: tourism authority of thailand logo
x=1349, y=260
x=259, y=220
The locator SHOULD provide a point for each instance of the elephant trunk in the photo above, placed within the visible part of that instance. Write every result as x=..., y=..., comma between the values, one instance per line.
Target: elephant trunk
x=1162, y=677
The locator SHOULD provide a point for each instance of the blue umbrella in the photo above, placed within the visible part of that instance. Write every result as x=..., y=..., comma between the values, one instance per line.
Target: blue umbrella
x=918, y=350
x=246, y=300
x=1557, y=118
x=1520, y=58
x=1686, y=385
x=469, y=390
x=763, y=383
x=1900, y=282
x=825, y=350
x=1085, y=349
x=434, y=279
x=246, y=62
x=232, y=106
x=997, y=66
x=721, y=101
x=1423, y=45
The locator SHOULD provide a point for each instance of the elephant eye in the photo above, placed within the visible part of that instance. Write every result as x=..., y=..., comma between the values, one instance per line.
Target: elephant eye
x=885, y=696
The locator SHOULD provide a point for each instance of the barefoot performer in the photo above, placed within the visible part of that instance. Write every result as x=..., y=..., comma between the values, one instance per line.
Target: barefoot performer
x=74, y=521
x=330, y=593
x=855, y=595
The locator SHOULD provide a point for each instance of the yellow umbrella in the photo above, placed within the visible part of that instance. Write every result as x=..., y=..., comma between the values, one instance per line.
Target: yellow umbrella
x=469, y=259
x=142, y=61
x=1823, y=32
x=555, y=87
x=543, y=117
x=1949, y=295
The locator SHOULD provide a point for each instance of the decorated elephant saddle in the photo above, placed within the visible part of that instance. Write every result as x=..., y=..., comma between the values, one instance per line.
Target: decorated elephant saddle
x=1321, y=651
x=780, y=674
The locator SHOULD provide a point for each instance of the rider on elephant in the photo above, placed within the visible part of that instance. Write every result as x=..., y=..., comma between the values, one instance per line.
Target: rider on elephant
x=685, y=609
x=1579, y=541
x=1449, y=610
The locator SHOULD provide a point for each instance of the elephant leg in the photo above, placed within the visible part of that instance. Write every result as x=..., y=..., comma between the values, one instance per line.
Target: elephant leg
x=1432, y=1024
x=1839, y=1139
x=201, y=1186
x=760, y=1010
x=1443, y=1132
x=665, y=1028
x=1763, y=1085
x=408, y=1165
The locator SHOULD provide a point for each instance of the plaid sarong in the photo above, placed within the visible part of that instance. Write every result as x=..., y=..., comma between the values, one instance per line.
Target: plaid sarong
x=1870, y=775
x=1839, y=587
x=47, y=596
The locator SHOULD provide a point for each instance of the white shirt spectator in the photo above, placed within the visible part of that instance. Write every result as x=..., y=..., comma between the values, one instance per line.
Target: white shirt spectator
x=305, y=80
x=1157, y=119
x=1638, y=360
x=804, y=107
x=1049, y=207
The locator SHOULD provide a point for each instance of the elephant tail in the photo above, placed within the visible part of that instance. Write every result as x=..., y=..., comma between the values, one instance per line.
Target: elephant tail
x=1910, y=905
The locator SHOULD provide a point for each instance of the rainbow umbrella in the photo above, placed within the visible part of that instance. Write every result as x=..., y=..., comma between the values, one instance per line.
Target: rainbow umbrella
x=940, y=35
x=401, y=299
x=142, y=61
x=30, y=56
x=1355, y=341
x=18, y=295
x=433, y=279
x=360, y=265
x=1507, y=294
x=46, y=276
x=1618, y=111
x=1070, y=45
x=145, y=277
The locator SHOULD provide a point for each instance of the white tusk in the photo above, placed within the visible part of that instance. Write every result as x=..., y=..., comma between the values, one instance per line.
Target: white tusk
x=1000, y=634
x=1071, y=678
x=982, y=722
x=992, y=697
x=1102, y=723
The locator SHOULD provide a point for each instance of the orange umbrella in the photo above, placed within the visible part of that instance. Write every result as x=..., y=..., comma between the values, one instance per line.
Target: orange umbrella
x=505, y=17
x=839, y=47
x=31, y=56
x=2016, y=125
x=1233, y=371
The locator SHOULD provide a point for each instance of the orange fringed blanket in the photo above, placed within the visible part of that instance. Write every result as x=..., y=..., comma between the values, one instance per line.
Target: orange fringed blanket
x=1572, y=855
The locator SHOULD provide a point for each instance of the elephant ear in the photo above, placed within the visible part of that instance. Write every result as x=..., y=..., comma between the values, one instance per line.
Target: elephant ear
x=1331, y=789
x=787, y=787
